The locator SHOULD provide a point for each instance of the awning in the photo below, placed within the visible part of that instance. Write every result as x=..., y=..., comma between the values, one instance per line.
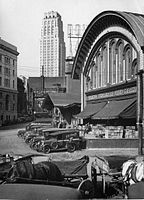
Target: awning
x=90, y=110
x=115, y=109
x=130, y=112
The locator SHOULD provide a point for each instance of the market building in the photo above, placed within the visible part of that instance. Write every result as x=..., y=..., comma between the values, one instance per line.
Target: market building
x=109, y=62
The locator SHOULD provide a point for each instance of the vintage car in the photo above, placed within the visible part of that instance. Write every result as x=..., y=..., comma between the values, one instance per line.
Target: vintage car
x=36, y=142
x=42, y=134
x=31, y=127
x=63, y=140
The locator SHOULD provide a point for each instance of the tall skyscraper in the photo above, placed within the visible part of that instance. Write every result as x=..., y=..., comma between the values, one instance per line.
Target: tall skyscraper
x=52, y=46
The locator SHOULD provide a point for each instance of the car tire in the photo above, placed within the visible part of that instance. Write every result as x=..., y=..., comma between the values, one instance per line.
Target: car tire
x=71, y=147
x=47, y=149
x=54, y=145
x=86, y=187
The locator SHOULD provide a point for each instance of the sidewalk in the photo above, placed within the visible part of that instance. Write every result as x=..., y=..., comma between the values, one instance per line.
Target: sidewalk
x=14, y=126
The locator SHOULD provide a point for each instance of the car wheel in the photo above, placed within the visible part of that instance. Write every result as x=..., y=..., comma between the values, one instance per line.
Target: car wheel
x=54, y=145
x=71, y=147
x=47, y=149
x=86, y=187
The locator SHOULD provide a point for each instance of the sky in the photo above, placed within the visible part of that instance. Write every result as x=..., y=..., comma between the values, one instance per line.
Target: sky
x=21, y=20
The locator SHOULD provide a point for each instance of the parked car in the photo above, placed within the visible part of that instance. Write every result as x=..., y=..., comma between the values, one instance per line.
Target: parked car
x=44, y=134
x=68, y=140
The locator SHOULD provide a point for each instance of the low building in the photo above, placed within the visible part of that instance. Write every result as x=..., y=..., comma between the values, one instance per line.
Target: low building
x=63, y=91
x=8, y=82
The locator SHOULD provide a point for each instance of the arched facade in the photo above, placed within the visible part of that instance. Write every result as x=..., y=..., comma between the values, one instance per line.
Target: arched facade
x=114, y=62
x=109, y=62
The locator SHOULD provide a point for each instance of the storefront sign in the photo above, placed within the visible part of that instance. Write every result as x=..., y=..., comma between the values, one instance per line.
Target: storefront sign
x=113, y=93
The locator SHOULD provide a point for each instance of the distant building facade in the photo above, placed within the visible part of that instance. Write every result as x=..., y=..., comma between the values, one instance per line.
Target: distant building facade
x=21, y=98
x=52, y=46
x=8, y=82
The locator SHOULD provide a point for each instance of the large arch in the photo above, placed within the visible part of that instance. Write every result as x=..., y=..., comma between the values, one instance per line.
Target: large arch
x=130, y=25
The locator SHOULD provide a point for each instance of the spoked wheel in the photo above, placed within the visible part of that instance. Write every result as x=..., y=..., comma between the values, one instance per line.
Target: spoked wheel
x=71, y=147
x=54, y=145
x=47, y=149
x=86, y=188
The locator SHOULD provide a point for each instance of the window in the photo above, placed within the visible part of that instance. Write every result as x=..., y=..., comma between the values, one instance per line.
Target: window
x=7, y=60
x=104, y=67
x=13, y=62
x=0, y=81
x=0, y=57
x=134, y=68
x=120, y=70
x=6, y=82
x=6, y=71
x=1, y=106
x=13, y=84
x=13, y=107
x=7, y=102
x=0, y=69
x=0, y=95
x=99, y=70
x=112, y=61
x=128, y=61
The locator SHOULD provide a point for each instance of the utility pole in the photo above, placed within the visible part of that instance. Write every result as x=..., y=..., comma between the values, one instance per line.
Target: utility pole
x=140, y=111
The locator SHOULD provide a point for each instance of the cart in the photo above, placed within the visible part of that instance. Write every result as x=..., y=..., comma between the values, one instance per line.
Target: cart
x=93, y=177
x=69, y=173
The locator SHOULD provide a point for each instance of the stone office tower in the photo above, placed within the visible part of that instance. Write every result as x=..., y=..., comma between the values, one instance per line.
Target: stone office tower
x=52, y=46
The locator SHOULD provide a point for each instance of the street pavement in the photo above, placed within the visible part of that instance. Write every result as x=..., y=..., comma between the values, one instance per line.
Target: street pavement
x=11, y=143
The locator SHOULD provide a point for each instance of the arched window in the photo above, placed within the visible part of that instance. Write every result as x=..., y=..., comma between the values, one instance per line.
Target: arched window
x=128, y=61
x=99, y=69
x=120, y=47
x=134, y=68
x=104, y=66
x=112, y=59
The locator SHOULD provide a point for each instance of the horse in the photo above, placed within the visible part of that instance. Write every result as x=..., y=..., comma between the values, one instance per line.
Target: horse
x=24, y=168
